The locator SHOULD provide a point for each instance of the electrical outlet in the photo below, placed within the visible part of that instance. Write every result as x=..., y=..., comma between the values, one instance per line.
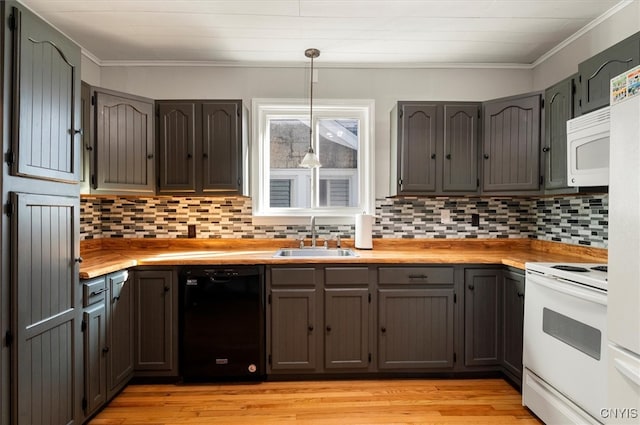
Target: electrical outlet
x=191, y=230
x=445, y=216
x=475, y=220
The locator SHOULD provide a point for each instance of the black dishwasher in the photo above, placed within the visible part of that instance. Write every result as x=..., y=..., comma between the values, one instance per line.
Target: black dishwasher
x=222, y=323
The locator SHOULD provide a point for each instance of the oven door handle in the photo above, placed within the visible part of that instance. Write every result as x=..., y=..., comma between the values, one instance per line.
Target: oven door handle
x=628, y=371
x=568, y=287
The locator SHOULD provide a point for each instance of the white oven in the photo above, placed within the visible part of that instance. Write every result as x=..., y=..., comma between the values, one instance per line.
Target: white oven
x=565, y=343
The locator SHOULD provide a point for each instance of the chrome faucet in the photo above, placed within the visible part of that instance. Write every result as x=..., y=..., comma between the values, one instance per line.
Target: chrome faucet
x=313, y=231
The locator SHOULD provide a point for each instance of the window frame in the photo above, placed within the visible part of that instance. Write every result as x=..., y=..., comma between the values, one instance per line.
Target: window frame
x=265, y=109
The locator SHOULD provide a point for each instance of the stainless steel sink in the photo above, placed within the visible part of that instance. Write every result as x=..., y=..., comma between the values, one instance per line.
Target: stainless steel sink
x=315, y=252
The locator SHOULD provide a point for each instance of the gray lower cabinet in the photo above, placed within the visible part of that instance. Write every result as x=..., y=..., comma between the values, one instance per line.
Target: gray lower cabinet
x=558, y=109
x=482, y=316
x=294, y=326
x=512, y=323
x=107, y=328
x=511, y=144
x=415, y=318
x=347, y=319
x=596, y=72
x=156, y=325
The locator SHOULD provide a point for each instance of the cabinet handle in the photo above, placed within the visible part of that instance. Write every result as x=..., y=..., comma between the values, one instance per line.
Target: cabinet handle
x=205, y=155
x=189, y=156
x=150, y=156
x=383, y=329
x=471, y=287
x=448, y=156
x=79, y=260
x=310, y=328
x=486, y=156
x=105, y=350
x=116, y=298
x=546, y=149
x=77, y=131
x=418, y=276
x=89, y=148
x=520, y=294
x=328, y=328
x=433, y=156
x=166, y=289
x=94, y=293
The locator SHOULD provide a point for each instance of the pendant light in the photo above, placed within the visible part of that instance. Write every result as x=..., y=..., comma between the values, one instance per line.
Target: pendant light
x=311, y=160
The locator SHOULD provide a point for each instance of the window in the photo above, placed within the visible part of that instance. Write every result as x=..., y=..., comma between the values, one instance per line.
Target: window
x=342, y=138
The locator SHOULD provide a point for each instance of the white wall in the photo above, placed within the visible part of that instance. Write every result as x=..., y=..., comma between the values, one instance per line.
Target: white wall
x=90, y=71
x=385, y=86
x=564, y=63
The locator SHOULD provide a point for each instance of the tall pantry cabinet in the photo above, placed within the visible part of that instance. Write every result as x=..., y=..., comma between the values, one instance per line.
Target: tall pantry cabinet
x=40, y=297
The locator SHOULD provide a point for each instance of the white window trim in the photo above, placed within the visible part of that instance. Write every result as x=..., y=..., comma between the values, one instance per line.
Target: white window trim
x=261, y=109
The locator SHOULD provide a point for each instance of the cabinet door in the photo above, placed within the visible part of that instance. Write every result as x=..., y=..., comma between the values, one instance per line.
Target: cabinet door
x=46, y=101
x=512, y=322
x=86, y=148
x=47, y=353
x=119, y=332
x=415, y=328
x=482, y=316
x=221, y=147
x=418, y=143
x=346, y=328
x=95, y=352
x=511, y=158
x=156, y=322
x=558, y=109
x=293, y=329
x=597, y=71
x=124, y=147
x=177, y=144
x=460, y=169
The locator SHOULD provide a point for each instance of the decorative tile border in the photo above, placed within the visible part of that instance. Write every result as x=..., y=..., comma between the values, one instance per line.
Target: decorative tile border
x=575, y=219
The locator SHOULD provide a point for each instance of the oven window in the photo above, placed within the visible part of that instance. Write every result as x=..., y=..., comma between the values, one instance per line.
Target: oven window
x=578, y=335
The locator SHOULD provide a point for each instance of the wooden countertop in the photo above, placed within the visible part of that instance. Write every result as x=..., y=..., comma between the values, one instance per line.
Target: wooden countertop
x=102, y=256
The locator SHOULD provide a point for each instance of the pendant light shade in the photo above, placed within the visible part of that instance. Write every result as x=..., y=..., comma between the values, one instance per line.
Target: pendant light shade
x=311, y=160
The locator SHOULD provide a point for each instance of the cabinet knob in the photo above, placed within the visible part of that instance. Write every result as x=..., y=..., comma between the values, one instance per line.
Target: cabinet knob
x=150, y=156
x=383, y=329
x=310, y=328
x=105, y=350
x=328, y=328
x=448, y=156
x=89, y=148
x=433, y=156
x=205, y=155
x=520, y=294
x=166, y=289
x=546, y=149
x=116, y=298
x=486, y=156
x=471, y=287
x=77, y=131
x=189, y=156
x=79, y=260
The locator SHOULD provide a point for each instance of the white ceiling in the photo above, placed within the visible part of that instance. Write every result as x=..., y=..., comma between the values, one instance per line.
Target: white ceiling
x=347, y=32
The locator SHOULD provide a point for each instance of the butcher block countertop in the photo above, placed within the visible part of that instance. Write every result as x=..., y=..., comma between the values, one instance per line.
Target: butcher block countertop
x=102, y=256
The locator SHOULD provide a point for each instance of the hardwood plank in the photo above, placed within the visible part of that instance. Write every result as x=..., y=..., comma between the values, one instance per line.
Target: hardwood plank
x=402, y=401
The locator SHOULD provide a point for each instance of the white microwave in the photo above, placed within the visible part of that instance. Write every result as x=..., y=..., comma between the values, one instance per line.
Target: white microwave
x=588, y=149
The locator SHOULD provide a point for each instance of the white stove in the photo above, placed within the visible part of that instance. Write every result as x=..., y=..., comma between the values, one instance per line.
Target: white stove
x=590, y=274
x=565, y=342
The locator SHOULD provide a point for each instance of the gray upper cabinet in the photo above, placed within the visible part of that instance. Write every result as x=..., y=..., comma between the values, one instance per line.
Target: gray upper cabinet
x=418, y=133
x=177, y=145
x=46, y=101
x=200, y=145
x=482, y=316
x=597, y=71
x=558, y=109
x=124, y=144
x=511, y=145
x=512, y=323
x=47, y=353
x=460, y=163
x=87, y=142
x=435, y=148
x=156, y=333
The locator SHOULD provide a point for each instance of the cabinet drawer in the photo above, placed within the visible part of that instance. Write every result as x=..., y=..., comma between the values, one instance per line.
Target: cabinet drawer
x=415, y=275
x=93, y=291
x=299, y=276
x=346, y=276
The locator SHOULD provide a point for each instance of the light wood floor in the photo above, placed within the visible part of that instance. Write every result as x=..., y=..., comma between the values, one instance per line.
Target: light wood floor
x=470, y=401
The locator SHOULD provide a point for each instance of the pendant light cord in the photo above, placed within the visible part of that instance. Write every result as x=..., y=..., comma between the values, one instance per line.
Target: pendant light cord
x=311, y=106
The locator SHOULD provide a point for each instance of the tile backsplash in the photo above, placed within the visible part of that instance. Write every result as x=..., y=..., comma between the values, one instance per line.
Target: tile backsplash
x=579, y=219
